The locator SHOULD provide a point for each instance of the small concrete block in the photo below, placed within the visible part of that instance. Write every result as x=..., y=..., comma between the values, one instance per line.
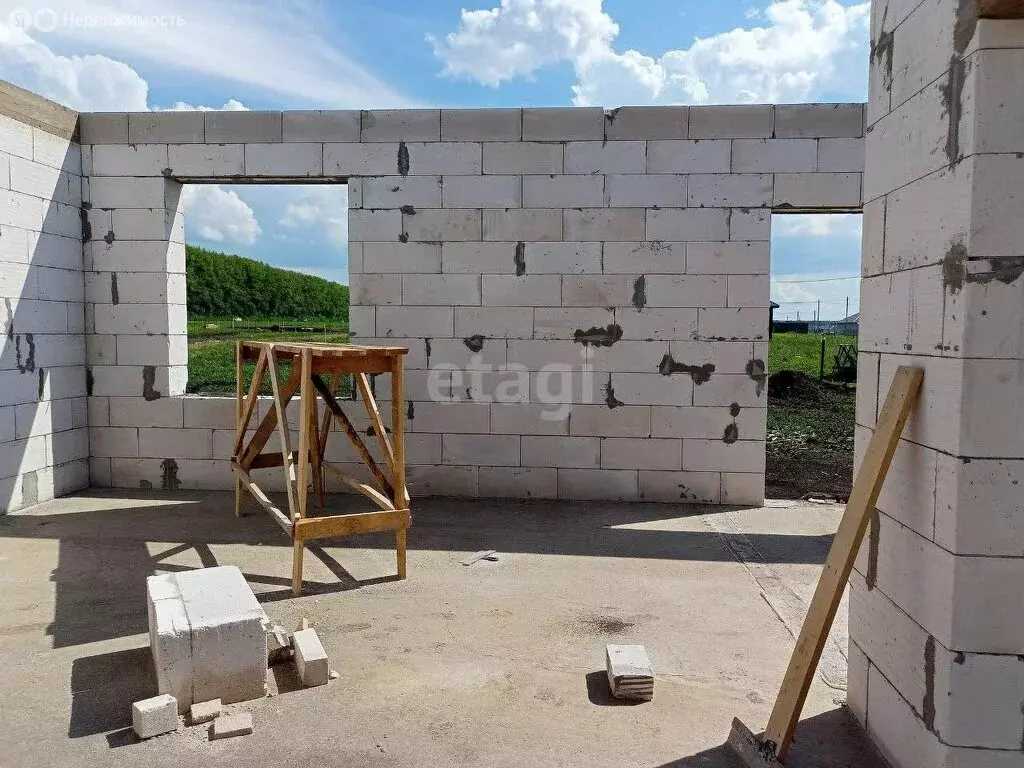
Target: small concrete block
x=563, y=123
x=279, y=645
x=204, y=712
x=310, y=658
x=151, y=717
x=104, y=127
x=226, y=726
x=629, y=672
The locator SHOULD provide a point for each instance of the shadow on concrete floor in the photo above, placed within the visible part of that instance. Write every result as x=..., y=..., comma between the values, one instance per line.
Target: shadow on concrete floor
x=103, y=688
x=105, y=555
x=833, y=739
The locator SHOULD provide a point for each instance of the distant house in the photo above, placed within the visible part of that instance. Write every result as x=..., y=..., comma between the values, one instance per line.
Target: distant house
x=772, y=306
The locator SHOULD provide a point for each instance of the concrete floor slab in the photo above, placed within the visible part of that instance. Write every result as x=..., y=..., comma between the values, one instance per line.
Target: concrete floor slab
x=498, y=663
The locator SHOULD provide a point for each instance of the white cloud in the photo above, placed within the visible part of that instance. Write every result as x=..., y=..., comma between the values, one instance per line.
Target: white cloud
x=231, y=105
x=522, y=36
x=803, y=49
x=800, y=293
x=817, y=225
x=91, y=82
x=321, y=206
x=272, y=46
x=219, y=214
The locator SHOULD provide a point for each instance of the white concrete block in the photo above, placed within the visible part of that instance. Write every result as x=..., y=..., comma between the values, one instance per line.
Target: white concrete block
x=292, y=159
x=842, y=155
x=155, y=716
x=396, y=191
x=310, y=658
x=559, y=450
x=562, y=258
x=818, y=190
x=494, y=322
x=139, y=412
x=563, y=123
x=103, y=127
x=451, y=417
x=522, y=158
x=652, y=389
x=725, y=190
x=640, y=453
x=749, y=291
x=718, y=324
x=228, y=726
x=680, y=487
x=604, y=484
x=774, y=155
x=529, y=419
x=320, y=125
x=605, y=157
x=686, y=291
x=378, y=225
x=413, y=322
x=990, y=490
x=646, y=123
x=558, y=191
x=749, y=224
x=481, y=124
x=129, y=159
x=455, y=158
x=731, y=122
x=401, y=125
x=522, y=291
x=480, y=450
x=240, y=127
x=717, y=455
x=441, y=224
x=602, y=421
x=651, y=323
x=707, y=422
x=169, y=639
x=687, y=224
x=165, y=127
x=605, y=224
x=731, y=258
x=726, y=389
x=402, y=257
x=57, y=152
x=645, y=191
x=478, y=257
x=483, y=192
x=518, y=482
x=630, y=674
x=125, y=192
x=598, y=290
x=819, y=120
x=444, y=290
x=574, y=322
x=354, y=159
x=373, y=289
x=644, y=257
x=705, y=156
x=228, y=635
x=526, y=224
x=204, y=712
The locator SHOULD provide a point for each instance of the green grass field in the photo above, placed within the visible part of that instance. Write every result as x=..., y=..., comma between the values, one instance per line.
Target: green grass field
x=211, y=347
x=800, y=351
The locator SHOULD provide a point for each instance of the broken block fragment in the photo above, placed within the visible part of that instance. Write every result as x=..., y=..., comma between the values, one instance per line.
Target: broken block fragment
x=154, y=716
x=629, y=672
x=310, y=658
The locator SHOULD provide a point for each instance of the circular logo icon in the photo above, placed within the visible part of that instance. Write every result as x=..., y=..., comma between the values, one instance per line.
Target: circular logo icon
x=46, y=20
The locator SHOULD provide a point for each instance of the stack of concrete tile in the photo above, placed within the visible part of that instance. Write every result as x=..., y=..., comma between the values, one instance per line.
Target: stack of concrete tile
x=629, y=672
x=208, y=634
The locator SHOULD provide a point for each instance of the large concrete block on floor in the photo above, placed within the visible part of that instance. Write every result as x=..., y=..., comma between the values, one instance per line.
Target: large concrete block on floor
x=208, y=636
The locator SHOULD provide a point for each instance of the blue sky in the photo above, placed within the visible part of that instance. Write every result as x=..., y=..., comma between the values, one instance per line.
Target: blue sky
x=146, y=54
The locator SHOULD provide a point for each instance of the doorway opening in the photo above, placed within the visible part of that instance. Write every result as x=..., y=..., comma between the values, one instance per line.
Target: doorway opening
x=812, y=355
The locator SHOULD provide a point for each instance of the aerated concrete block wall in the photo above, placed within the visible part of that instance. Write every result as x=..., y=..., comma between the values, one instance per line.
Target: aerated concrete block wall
x=936, y=607
x=44, y=441
x=584, y=294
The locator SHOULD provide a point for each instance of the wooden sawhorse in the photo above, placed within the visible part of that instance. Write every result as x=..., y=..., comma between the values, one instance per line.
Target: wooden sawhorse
x=309, y=364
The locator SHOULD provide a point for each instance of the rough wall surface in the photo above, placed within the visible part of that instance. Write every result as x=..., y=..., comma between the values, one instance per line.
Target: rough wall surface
x=584, y=295
x=936, y=624
x=44, y=444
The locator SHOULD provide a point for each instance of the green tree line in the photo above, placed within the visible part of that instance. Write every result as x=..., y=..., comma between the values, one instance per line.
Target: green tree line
x=221, y=285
